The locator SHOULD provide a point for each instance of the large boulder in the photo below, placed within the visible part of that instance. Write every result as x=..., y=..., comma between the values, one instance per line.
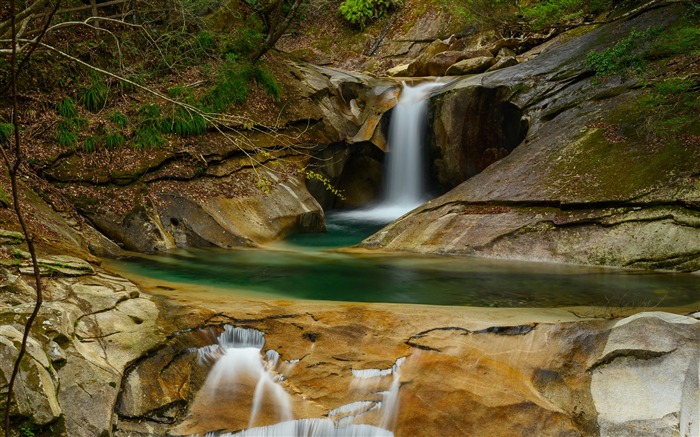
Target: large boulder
x=471, y=66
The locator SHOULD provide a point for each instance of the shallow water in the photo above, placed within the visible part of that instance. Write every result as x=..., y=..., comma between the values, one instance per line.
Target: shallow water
x=304, y=267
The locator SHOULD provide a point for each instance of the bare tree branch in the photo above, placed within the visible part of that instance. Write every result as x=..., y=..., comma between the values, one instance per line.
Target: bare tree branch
x=13, y=161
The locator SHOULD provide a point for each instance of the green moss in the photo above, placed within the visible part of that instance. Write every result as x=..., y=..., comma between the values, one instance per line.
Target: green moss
x=5, y=198
x=619, y=159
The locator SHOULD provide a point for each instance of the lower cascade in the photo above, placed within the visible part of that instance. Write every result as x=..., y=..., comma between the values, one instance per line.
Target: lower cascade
x=404, y=186
x=237, y=361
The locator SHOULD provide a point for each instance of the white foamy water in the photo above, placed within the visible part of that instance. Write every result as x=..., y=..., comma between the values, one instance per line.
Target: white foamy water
x=405, y=187
x=237, y=359
x=310, y=428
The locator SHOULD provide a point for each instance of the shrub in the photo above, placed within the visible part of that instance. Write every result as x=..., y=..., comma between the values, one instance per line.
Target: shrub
x=485, y=14
x=65, y=134
x=232, y=85
x=90, y=144
x=360, y=12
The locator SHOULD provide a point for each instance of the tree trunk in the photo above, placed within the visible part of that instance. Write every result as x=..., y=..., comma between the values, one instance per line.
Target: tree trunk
x=275, y=32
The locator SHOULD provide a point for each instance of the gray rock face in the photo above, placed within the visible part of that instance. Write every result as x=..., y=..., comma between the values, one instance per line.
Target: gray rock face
x=646, y=380
x=571, y=191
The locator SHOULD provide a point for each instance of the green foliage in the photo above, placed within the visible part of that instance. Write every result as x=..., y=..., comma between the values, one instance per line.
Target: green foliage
x=6, y=131
x=312, y=175
x=232, y=86
x=67, y=108
x=484, y=14
x=626, y=56
x=147, y=134
x=549, y=12
x=247, y=40
x=114, y=140
x=265, y=185
x=65, y=134
x=119, y=119
x=267, y=82
x=206, y=42
x=94, y=97
x=90, y=144
x=26, y=431
x=185, y=124
x=5, y=199
x=147, y=138
x=672, y=107
x=360, y=12
x=682, y=39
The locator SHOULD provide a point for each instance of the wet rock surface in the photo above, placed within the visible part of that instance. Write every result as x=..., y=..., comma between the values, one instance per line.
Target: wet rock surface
x=105, y=357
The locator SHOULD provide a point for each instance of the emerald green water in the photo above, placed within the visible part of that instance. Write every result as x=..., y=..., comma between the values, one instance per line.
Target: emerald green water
x=306, y=267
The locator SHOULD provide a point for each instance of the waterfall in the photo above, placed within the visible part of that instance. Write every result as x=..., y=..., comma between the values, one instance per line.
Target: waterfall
x=404, y=188
x=237, y=363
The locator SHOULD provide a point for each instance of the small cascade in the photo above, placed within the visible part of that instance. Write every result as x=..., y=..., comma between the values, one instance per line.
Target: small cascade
x=237, y=360
x=310, y=428
x=404, y=187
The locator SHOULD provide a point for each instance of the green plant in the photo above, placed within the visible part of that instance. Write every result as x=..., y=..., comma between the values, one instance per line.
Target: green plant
x=65, y=134
x=312, y=175
x=26, y=431
x=626, y=56
x=147, y=138
x=232, y=85
x=484, y=14
x=184, y=123
x=6, y=131
x=94, y=97
x=5, y=199
x=265, y=185
x=246, y=40
x=90, y=144
x=360, y=12
x=681, y=39
x=267, y=82
x=119, y=119
x=672, y=106
x=550, y=12
x=114, y=140
x=67, y=108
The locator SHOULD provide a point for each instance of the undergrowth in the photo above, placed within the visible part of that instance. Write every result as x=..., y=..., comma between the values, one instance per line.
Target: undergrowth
x=359, y=13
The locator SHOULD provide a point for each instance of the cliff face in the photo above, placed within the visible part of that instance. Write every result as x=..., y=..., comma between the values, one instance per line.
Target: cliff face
x=588, y=184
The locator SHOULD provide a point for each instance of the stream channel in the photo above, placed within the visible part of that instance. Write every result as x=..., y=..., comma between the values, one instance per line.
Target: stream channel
x=310, y=266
